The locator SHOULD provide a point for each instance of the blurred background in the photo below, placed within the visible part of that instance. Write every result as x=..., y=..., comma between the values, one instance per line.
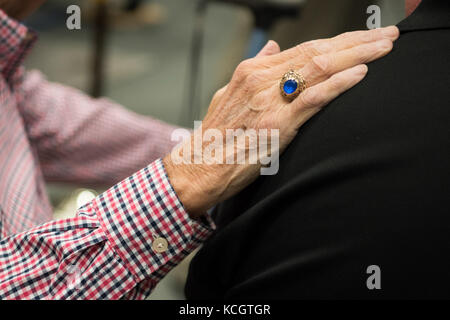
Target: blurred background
x=166, y=58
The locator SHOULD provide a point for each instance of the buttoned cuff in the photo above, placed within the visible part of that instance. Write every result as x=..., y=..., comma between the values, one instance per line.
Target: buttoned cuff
x=147, y=224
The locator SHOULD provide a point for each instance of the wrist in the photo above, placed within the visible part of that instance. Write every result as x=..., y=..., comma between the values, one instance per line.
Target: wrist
x=191, y=187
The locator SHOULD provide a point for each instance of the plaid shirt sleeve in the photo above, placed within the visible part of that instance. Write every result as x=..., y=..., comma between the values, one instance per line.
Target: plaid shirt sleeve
x=118, y=246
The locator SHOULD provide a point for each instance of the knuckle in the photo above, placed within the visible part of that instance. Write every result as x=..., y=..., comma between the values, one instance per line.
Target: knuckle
x=371, y=35
x=250, y=83
x=355, y=37
x=307, y=45
x=364, y=36
x=308, y=48
x=220, y=92
x=346, y=35
x=216, y=97
x=321, y=64
x=324, y=47
x=243, y=69
x=311, y=98
x=239, y=75
x=302, y=48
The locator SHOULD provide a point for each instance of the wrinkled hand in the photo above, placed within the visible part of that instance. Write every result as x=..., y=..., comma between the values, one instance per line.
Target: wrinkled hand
x=252, y=100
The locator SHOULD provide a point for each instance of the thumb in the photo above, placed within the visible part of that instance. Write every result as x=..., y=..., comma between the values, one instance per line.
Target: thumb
x=269, y=49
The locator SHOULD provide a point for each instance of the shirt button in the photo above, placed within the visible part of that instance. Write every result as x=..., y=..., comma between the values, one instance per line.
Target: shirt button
x=159, y=245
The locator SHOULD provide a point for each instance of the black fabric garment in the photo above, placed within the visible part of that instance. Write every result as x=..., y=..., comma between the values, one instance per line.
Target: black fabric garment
x=365, y=182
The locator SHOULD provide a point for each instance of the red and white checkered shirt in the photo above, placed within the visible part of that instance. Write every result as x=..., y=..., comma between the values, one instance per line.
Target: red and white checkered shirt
x=55, y=133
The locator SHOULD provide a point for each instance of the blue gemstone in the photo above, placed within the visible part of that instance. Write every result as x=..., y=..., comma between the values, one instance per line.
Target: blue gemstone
x=290, y=86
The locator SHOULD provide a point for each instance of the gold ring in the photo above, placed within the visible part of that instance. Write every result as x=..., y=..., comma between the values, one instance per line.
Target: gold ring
x=292, y=84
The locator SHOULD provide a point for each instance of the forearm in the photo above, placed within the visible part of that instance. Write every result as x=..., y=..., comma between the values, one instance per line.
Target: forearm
x=119, y=245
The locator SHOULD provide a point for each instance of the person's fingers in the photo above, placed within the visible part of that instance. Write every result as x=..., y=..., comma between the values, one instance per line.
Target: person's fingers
x=355, y=38
x=300, y=54
x=310, y=101
x=324, y=66
x=269, y=49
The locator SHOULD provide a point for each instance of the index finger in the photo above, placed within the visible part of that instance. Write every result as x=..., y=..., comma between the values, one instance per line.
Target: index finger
x=302, y=53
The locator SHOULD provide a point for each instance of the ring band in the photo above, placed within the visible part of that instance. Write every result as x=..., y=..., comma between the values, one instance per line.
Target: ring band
x=292, y=84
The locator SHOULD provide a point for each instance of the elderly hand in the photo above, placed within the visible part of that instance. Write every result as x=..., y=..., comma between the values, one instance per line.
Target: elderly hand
x=252, y=101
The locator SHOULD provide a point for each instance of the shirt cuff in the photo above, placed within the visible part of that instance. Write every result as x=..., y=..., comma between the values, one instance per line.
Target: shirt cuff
x=147, y=224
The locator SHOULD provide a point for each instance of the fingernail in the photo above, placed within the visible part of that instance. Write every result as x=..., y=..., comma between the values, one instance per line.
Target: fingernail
x=363, y=69
x=360, y=70
x=391, y=31
x=267, y=43
x=273, y=44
